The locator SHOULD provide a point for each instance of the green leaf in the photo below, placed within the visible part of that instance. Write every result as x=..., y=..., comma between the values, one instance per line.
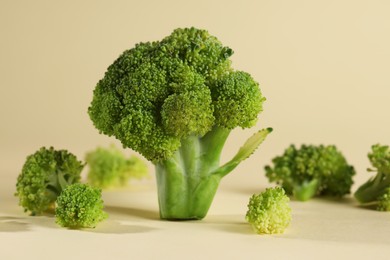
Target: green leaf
x=245, y=151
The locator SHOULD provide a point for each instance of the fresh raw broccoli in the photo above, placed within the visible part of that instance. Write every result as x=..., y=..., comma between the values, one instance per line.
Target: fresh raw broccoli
x=44, y=175
x=175, y=101
x=110, y=168
x=80, y=206
x=269, y=212
x=384, y=201
x=312, y=171
x=377, y=189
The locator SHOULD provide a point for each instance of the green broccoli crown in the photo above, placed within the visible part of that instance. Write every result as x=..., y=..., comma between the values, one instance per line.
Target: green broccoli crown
x=312, y=170
x=158, y=93
x=109, y=167
x=80, y=206
x=44, y=175
x=269, y=212
x=380, y=158
x=376, y=186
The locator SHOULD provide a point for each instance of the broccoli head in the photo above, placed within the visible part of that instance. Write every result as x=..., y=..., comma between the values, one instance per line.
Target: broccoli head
x=376, y=189
x=44, y=175
x=269, y=212
x=156, y=94
x=110, y=168
x=312, y=171
x=175, y=102
x=80, y=206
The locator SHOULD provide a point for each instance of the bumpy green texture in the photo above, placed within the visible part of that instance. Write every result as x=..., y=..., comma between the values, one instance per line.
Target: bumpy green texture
x=80, y=206
x=376, y=189
x=44, y=175
x=110, y=168
x=312, y=171
x=384, y=201
x=158, y=93
x=175, y=101
x=269, y=212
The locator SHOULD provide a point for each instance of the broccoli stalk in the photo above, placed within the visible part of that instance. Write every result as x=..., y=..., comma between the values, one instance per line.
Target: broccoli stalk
x=376, y=188
x=305, y=190
x=373, y=188
x=175, y=101
x=188, y=181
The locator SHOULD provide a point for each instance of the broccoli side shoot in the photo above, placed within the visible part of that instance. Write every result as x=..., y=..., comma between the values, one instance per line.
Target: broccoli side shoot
x=384, y=201
x=312, y=171
x=110, y=168
x=44, y=175
x=376, y=189
x=175, y=101
x=269, y=212
x=80, y=206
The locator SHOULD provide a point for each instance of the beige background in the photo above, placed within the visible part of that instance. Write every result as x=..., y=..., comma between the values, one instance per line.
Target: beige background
x=324, y=67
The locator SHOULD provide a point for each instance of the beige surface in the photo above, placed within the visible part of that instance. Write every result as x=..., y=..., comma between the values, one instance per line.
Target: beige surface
x=323, y=66
x=319, y=230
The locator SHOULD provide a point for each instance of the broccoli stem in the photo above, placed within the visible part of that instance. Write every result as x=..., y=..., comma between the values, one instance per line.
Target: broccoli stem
x=188, y=180
x=306, y=191
x=186, y=183
x=373, y=188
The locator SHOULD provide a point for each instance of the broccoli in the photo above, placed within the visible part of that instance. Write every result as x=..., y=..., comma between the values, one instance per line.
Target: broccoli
x=175, y=101
x=312, y=171
x=80, y=206
x=377, y=189
x=384, y=201
x=109, y=168
x=269, y=212
x=44, y=175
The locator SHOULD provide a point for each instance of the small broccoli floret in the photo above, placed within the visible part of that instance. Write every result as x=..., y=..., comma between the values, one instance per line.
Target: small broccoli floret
x=376, y=189
x=80, y=206
x=312, y=171
x=384, y=201
x=175, y=102
x=269, y=212
x=110, y=168
x=44, y=175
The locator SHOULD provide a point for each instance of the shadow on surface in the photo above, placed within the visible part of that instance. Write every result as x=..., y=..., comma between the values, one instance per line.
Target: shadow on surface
x=230, y=224
x=338, y=221
x=13, y=224
x=139, y=213
x=236, y=228
x=370, y=207
x=115, y=227
x=46, y=221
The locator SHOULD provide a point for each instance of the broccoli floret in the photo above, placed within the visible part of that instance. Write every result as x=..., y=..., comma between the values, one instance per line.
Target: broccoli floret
x=80, y=206
x=384, y=201
x=175, y=101
x=376, y=189
x=44, y=175
x=269, y=212
x=110, y=168
x=312, y=171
